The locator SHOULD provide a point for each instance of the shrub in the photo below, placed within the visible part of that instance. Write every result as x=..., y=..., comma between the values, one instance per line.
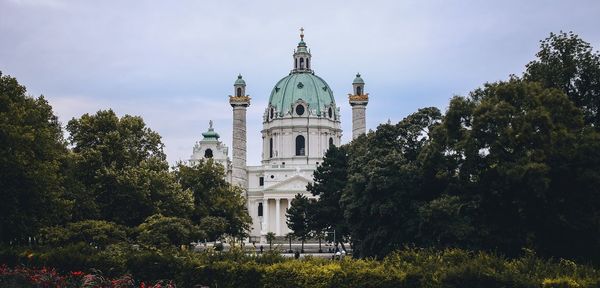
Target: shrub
x=560, y=283
x=162, y=231
x=94, y=232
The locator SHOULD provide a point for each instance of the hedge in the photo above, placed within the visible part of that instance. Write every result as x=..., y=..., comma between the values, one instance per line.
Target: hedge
x=412, y=268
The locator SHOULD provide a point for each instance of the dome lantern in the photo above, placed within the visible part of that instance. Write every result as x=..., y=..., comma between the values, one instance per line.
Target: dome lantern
x=239, y=86
x=301, y=56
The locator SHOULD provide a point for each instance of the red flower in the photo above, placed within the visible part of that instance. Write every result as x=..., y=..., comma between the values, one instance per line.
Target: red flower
x=76, y=273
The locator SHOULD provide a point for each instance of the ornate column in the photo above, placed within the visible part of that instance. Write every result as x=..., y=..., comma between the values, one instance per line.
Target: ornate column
x=239, y=102
x=266, y=213
x=277, y=216
x=358, y=100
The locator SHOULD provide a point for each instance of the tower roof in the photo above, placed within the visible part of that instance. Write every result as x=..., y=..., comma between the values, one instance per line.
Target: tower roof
x=239, y=81
x=210, y=135
x=358, y=79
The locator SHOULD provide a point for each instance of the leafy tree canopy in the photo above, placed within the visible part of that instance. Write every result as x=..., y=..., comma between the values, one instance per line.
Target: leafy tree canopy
x=122, y=167
x=214, y=197
x=568, y=63
x=32, y=151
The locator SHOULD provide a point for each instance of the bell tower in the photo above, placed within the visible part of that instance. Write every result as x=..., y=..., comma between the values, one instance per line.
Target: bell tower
x=358, y=100
x=239, y=102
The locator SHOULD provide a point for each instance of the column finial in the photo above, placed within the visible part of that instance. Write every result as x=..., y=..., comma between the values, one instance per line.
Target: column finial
x=302, y=33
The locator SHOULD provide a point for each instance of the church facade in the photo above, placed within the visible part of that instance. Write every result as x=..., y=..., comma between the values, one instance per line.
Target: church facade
x=300, y=122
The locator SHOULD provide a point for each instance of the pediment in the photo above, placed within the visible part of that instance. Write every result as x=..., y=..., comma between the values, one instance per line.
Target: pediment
x=295, y=183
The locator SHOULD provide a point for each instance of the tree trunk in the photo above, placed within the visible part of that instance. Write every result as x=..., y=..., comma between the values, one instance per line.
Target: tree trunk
x=320, y=251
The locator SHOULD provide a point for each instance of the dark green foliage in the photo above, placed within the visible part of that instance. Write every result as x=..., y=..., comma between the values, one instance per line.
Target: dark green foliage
x=386, y=184
x=213, y=227
x=96, y=233
x=163, y=232
x=298, y=217
x=511, y=166
x=32, y=151
x=122, y=167
x=214, y=198
x=405, y=268
x=568, y=63
x=328, y=182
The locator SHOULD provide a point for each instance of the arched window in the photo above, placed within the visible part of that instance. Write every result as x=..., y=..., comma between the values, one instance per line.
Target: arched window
x=330, y=141
x=330, y=112
x=208, y=153
x=300, y=145
x=301, y=63
x=272, y=112
x=296, y=63
x=239, y=92
x=358, y=90
x=270, y=147
x=307, y=63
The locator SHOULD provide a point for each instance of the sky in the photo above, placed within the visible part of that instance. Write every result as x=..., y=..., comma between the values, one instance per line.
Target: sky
x=174, y=62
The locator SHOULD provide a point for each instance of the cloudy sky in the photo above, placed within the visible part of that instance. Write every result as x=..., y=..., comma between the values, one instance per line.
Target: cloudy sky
x=174, y=62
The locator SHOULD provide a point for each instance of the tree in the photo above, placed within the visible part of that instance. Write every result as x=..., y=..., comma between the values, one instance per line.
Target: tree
x=213, y=196
x=123, y=170
x=298, y=218
x=386, y=184
x=161, y=231
x=510, y=160
x=270, y=237
x=214, y=227
x=329, y=180
x=568, y=63
x=32, y=152
x=290, y=236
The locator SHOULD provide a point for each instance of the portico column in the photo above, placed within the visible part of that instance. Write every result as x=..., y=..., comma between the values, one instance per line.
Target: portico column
x=277, y=217
x=266, y=213
x=289, y=203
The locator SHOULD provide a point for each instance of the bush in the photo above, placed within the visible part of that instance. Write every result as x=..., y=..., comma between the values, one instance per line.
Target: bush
x=161, y=231
x=560, y=283
x=94, y=232
x=412, y=268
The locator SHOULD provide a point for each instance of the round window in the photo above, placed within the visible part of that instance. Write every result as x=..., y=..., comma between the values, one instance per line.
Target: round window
x=330, y=112
x=300, y=110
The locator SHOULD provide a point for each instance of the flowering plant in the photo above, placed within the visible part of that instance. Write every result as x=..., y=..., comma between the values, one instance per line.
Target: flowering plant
x=49, y=278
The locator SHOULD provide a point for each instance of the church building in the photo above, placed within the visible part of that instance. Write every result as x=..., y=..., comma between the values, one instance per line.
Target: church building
x=300, y=122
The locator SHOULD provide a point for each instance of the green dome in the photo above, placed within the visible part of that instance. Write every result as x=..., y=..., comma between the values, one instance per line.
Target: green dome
x=240, y=81
x=358, y=80
x=306, y=86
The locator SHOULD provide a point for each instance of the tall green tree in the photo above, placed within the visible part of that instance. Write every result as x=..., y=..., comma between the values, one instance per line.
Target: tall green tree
x=123, y=170
x=568, y=63
x=385, y=184
x=329, y=180
x=214, y=196
x=526, y=144
x=32, y=153
x=298, y=217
